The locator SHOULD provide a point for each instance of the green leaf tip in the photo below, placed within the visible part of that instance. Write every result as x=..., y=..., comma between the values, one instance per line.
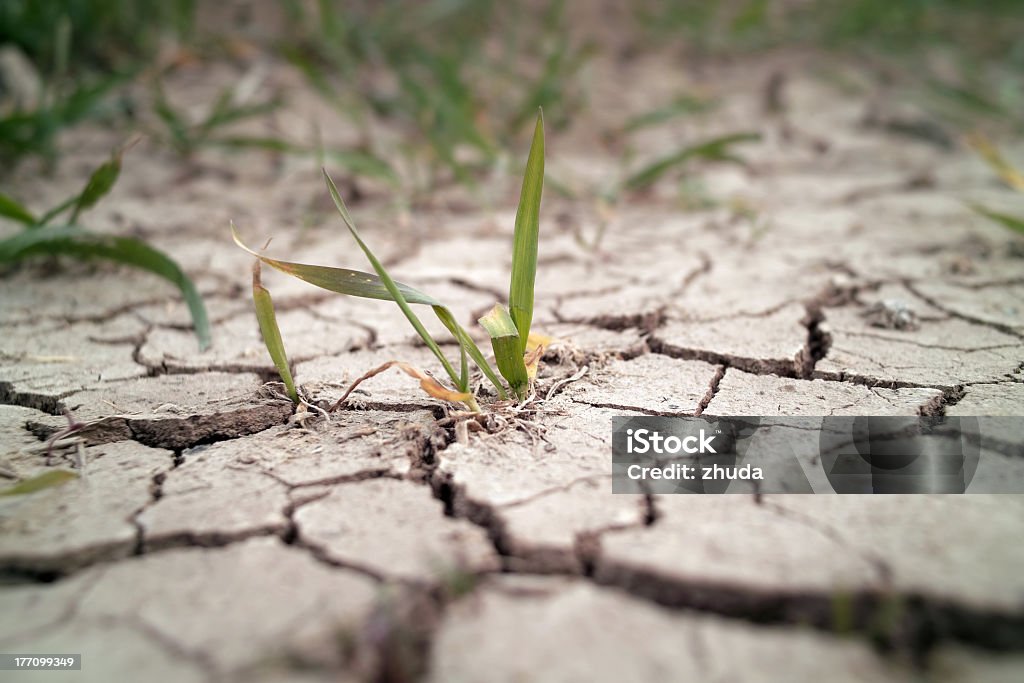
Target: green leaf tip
x=10, y=208
x=526, y=238
x=101, y=182
x=339, y=280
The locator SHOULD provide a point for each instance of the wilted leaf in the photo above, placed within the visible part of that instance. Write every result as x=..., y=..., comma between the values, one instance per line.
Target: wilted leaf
x=427, y=383
x=432, y=386
x=1003, y=168
x=532, y=360
x=537, y=339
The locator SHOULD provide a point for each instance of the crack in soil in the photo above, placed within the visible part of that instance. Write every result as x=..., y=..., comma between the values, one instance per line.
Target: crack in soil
x=647, y=321
x=49, y=404
x=636, y=409
x=177, y=433
x=871, y=381
x=819, y=341
x=941, y=347
x=893, y=620
x=700, y=271
x=165, y=642
x=932, y=301
x=902, y=621
x=921, y=622
x=755, y=366
x=716, y=381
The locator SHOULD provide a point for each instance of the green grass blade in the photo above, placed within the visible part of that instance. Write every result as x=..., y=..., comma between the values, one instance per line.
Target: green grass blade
x=684, y=105
x=369, y=286
x=390, y=284
x=358, y=162
x=56, y=211
x=364, y=163
x=43, y=481
x=340, y=280
x=75, y=241
x=1014, y=223
x=225, y=112
x=267, y=144
x=100, y=183
x=271, y=332
x=9, y=208
x=527, y=232
x=507, y=349
x=175, y=122
x=716, y=149
x=470, y=347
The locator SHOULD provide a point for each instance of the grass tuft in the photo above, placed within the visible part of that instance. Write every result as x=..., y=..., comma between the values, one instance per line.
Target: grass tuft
x=516, y=356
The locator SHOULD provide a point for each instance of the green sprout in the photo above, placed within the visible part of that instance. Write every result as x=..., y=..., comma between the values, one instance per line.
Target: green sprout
x=607, y=197
x=715, y=149
x=267, y=319
x=32, y=126
x=186, y=137
x=456, y=103
x=515, y=355
x=681, y=106
x=39, y=236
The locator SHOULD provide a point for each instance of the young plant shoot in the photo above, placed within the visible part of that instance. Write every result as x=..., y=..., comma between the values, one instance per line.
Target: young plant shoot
x=509, y=329
x=271, y=332
x=40, y=236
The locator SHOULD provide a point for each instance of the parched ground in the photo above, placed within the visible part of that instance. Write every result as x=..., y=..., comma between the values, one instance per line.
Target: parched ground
x=215, y=536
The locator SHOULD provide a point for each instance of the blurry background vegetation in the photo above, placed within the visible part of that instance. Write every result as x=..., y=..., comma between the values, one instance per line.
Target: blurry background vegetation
x=447, y=74
x=438, y=91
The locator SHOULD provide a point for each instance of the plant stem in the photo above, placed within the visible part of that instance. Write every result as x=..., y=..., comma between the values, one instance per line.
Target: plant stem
x=472, y=404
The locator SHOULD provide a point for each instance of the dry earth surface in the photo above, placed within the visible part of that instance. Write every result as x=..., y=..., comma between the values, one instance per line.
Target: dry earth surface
x=214, y=536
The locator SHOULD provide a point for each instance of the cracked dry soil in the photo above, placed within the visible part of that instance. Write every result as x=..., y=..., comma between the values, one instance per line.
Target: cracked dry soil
x=215, y=538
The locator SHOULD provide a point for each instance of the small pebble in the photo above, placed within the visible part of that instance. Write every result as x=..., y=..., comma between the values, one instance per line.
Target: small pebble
x=892, y=314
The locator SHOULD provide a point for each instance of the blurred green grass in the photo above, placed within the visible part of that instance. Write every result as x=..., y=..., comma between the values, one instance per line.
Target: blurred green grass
x=457, y=80
x=105, y=34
